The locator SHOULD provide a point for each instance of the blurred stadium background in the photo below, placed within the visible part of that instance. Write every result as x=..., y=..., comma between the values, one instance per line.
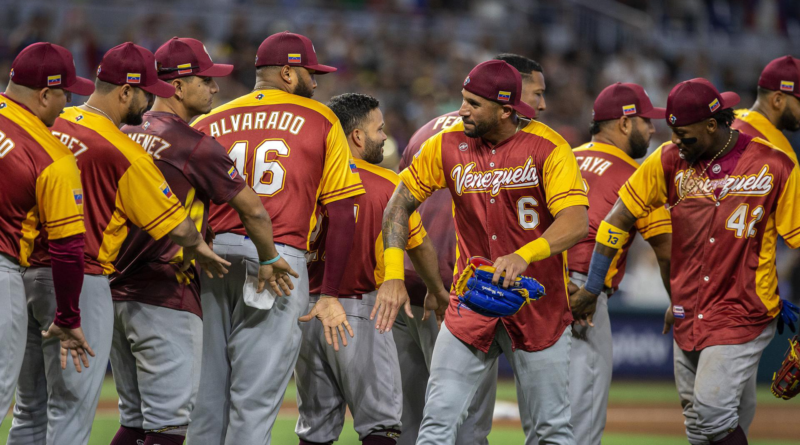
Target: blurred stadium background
x=413, y=55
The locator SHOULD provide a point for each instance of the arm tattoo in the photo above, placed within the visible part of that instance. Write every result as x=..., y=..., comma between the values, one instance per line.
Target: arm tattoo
x=395, y=217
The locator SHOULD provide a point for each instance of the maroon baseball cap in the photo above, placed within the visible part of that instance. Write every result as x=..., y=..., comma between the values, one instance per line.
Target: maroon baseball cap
x=44, y=64
x=624, y=99
x=133, y=65
x=695, y=100
x=782, y=74
x=499, y=82
x=286, y=48
x=187, y=57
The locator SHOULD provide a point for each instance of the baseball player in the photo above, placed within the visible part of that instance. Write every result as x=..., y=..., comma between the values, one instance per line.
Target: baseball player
x=777, y=106
x=730, y=195
x=41, y=193
x=416, y=336
x=293, y=152
x=519, y=198
x=328, y=381
x=122, y=187
x=621, y=132
x=157, y=302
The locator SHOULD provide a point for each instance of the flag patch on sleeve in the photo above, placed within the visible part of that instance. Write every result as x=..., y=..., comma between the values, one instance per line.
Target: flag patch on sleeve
x=232, y=173
x=78, y=195
x=678, y=312
x=353, y=168
x=165, y=190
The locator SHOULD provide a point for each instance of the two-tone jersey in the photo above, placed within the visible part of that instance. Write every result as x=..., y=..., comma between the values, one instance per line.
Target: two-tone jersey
x=365, y=269
x=292, y=151
x=505, y=196
x=724, y=235
x=604, y=169
x=40, y=183
x=121, y=186
x=757, y=125
x=436, y=213
x=198, y=171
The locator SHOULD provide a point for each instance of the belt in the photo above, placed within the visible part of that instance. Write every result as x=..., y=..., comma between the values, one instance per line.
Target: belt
x=351, y=297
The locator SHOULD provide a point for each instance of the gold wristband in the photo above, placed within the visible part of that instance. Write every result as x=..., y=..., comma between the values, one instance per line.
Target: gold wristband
x=535, y=250
x=611, y=236
x=393, y=263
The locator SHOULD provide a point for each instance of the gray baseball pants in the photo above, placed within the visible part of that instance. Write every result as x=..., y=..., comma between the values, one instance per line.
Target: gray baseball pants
x=13, y=324
x=56, y=406
x=457, y=369
x=711, y=383
x=248, y=353
x=415, y=340
x=363, y=376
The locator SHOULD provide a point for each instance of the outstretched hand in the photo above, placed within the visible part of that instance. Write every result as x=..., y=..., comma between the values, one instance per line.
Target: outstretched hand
x=277, y=275
x=72, y=340
x=437, y=303
x=391, y=296
x=334, y=320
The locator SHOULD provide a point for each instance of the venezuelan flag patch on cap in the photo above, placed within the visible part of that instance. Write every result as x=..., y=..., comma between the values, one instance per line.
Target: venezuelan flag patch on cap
x=185, y=68
x=53, y=80
x=787, y=85
x=714, y=105
x=505, y=96
x=629, y=109
x=295, y=58
x=134, y=78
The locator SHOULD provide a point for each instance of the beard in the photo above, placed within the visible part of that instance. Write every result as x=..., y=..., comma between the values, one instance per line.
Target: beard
x=303, y=89
x=134, y=115
x=788, y=122
x=639, y=144
x=481, y=128
x=373, y=151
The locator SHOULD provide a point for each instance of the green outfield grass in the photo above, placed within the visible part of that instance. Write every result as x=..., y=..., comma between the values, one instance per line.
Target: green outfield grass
x=105, y=425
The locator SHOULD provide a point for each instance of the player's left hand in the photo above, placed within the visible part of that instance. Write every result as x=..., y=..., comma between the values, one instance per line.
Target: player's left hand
x=436, y=302
x=583, y=304
x=209, y=261
x=277, y=274
x=332, y=315
x=787, y=316
x=669, y=320
x=513, y=265
x=391, y=296
x=72, y=340
x=572, y=287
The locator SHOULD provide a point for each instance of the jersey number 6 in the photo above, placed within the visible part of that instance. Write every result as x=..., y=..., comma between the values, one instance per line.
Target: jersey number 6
x=268, y=176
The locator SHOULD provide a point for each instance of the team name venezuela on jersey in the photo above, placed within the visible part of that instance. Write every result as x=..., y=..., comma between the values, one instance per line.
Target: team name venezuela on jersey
x=292, y=151
x=724, y=280
x=505, y=196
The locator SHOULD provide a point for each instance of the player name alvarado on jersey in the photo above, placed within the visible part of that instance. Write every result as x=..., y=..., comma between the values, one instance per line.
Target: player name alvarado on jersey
x=757, y=184
x=262, y=120
x=469, y=181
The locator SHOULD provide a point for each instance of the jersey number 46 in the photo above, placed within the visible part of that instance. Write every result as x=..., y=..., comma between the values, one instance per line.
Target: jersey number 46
x=266, y=176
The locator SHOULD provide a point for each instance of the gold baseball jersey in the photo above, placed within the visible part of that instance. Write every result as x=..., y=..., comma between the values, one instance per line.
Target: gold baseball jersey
x=40, y=183
x=757, y=125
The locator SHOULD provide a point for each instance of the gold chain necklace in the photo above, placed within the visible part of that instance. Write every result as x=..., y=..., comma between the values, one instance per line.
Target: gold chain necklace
x=101, y=111
x=702, y=175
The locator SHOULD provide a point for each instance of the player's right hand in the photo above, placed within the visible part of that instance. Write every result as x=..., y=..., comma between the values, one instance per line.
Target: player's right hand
x=391, y=296
x=669, y=320
x=333, y=317
x=277, y=274
x=72, y=340
x=436, y=302
x=210, y=262
x=583, y=304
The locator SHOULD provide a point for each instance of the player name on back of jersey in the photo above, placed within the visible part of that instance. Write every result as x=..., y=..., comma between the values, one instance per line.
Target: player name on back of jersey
x=152, y=144
x=593, y=164
x=756, y=184
x=469, y=181
x=258, y=120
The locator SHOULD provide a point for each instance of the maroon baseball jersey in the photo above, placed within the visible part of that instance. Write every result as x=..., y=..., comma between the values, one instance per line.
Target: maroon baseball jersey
x=605, y=168
x=40, y=184
x=436, y=213
x=121, y=188
x=505, y=196
x=198, y=171
x=724, y=235
x=365, y=268
x=292, y=151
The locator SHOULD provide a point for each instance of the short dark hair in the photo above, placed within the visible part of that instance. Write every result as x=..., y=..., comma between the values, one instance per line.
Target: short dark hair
x=352, y=108
x=103, y=87
x=724, y=117
x=597, y=126
x=524, y=65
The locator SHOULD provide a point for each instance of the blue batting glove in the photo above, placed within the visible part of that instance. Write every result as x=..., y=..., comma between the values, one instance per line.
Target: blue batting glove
x=787, y=316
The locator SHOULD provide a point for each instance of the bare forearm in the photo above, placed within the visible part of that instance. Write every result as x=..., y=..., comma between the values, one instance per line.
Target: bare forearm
x=256, y=222
x=570, y=226
x=426, y=263
x=395, y=218
x=662, y=246
x=185, y=234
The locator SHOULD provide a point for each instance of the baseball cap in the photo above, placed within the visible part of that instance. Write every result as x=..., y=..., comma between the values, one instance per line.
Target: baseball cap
x=181, y=57
x=286, y=48
x=499, y=82
x=696, y=100
x=624, y=99
x=133, y=65
x=44, y=64
x=782, y=74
